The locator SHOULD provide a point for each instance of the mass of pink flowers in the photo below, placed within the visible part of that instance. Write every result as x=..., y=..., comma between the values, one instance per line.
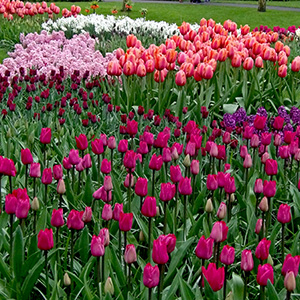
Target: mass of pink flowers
x=47, y=52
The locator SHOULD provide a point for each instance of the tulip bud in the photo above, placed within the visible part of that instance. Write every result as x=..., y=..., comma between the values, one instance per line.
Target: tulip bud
x=263, y=205
x=61, y=188
x=270, y=260
x=232, y=198
x=109, y=287
x=35, y=205
x=67, y=280
x=157, y=211
x=187, y=161
x=221, y=213
x=289, y=281
x=209, y=206
x=130, y=254
x=141, y=236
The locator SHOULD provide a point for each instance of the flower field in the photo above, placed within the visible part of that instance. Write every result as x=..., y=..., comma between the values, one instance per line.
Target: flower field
x=141, y=160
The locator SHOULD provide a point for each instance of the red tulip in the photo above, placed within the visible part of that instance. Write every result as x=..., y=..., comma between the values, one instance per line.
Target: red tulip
x=105, y=166
x=125, y=221
x=57, y=219
x=175, y=174
x=57, y=172
x=195, y=169
x=271, y=167
x=81, y=142
x=258, y=187
x=45, y=239
x=104, y=234
x=227, y=255
x=247, y=263
x=129, y=160
x=291, y=264
x=87, y=215
x=278, y=123
x=74, y=158
x=26, y=157
x=259, y=122
x=222, y=210
x=132, y=127
x=159, y=253
x=107, y=212
x=47, y=176
x=97, y=146
x=155, y=162
x=211, y=182
x=141, y=187
x=258, y=226
x=265, y=273
x=204, y=248
x=45, y=137
x=23, y=206
x=11, y=203
x=284, y=214
x=150, y=276
x=170, y=241
x=149, y=207
x=66, y=163
x=269, y=188
x=262, y=249
x=167, y=191
x=74, y=220
x=215, y=277
x=229, y=186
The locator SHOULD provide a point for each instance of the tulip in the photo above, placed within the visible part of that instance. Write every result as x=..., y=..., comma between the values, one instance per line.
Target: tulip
x=247, y=263
x=289, y=283
x=258, y=226
x=129, y=160
x=260, y=122
x=159, y=253
x=26, y=157
x=81, y=142
x=107, y=212
x=74, y=220
x=87, y=215
x=291, y=264
x=45, y=137
x=265, y=273
x=22, y=209
x=284, y=214
x=204, y=248
x=215, y=277
x=35, y=170
x=107, y=183
x=45, y=242
x=97, y=146
x=132, y=128
x=170, y=241
x=258, y=187
x=125, y=221
x=175, y=174
x=247, y=164
x=11, y=203
x=212, y=183
x=219, y=232
x=262, y=249
x=151, y=276
x=97, y=246
x=105, y=166
x=222, y=210
x=155, y=162
x=57, y=219
x=109, y=287
x=264, y=205
x=269, y=189
x=130, y=254
x=141, y=188
x=271, y=167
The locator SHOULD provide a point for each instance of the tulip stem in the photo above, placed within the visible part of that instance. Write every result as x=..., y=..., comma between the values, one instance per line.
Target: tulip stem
x=46, y=185
x=120, y=239
x=34, y=222
x=26, y=176
x=129, y=276
x=218, y=254
x=288, y=295
x=125, y=242
x=282, y=241
x=262, y=293
x=73, y=177
x=60, y=200
x=72, y=249
x=176, y=208
x=224, y=286
x=141, y=202
x=10, y=184
x=103, y=266
x=47, y=279
x=153, y=183
x=184, y=217
x=98, y=276
x=11, y=234
x=165, y=217
x=246, y=182
x=111, y=158
x=149, y=293
x=45, y=156
x=246, y=284
x=149, y=238
x=0, y=193
x=34, y=187
x=99, y=165
x=129, y=192
x=161, y=281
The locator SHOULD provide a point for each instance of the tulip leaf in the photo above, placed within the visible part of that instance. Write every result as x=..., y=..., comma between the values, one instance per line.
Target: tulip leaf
x=230, y=108
x=4, y=270
x=238, y=287
x=186, y=291
x=84, y=245
x=117, y=268
x=18, y=253
x=177, y=257
x=209, y=293
x=88, y=193
x=173, y=288
x=42, y=220
x=272, y=294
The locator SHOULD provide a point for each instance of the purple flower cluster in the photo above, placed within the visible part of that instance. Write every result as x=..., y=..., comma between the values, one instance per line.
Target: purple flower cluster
x=229, y=120
x=281, y=30
x=240, y=116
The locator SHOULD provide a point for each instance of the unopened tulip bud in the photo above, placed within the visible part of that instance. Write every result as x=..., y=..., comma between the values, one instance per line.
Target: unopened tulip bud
x=187, y=161
x=67, y=280
x=109, y=287
x=270, y=260
x=174, y=153
x=221, y=214
x=289, y=281
x=141, y=236
x=209, y=206
x=35, y=205
x=232, y=198
x=61, y=188
x=263, y=205
x=157, y=211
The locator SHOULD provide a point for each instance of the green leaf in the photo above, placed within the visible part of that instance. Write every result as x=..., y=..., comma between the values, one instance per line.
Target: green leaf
x=18, y=253
x=238, y=287
x=272, y=294
x=88, y=191
x=186, y=291
x=84, y=245
x=209, y=293
x=4, y=270
x=173, y=288
x=177, y=258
